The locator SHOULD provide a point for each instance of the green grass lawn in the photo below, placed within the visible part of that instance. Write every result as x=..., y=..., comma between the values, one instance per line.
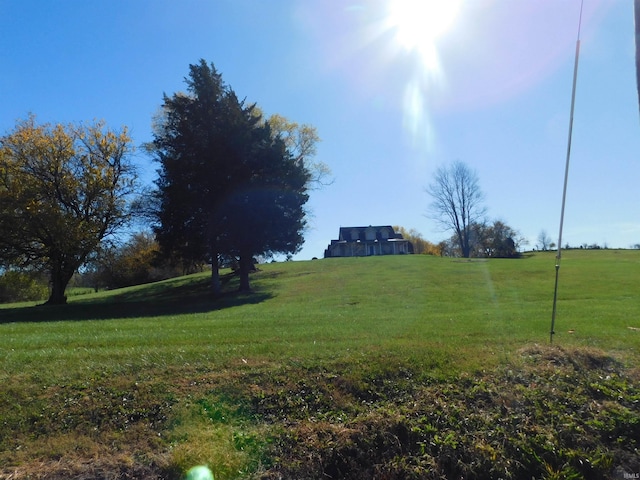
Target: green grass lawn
x=158, y=377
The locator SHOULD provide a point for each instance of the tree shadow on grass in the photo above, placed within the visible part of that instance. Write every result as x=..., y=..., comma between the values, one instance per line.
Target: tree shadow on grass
x=174, y=297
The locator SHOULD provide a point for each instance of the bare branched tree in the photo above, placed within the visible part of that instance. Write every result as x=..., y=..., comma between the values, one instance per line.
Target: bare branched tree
x=544, y=241
x=457, y=202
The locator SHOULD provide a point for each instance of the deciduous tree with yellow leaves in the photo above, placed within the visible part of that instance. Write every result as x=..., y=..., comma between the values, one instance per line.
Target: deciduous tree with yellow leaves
x=63, y=189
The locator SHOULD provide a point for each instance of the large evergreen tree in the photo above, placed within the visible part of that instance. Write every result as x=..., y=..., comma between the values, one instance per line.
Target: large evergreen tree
x=188, y=143
x=264, y=214
x=227, y=184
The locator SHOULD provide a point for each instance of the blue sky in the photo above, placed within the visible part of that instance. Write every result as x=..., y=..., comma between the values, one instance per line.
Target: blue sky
x=496, y=96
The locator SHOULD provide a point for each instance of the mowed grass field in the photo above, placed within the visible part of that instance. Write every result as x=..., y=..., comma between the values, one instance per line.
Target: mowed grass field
x=147, y=381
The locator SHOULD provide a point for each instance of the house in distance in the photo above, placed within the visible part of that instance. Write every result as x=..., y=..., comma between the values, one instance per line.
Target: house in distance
x=368, y=241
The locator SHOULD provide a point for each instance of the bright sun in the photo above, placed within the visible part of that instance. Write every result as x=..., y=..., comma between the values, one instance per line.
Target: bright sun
x=418, y=24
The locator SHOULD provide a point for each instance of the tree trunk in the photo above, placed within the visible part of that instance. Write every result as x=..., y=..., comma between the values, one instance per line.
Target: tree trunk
x=216, y=287
x=59, y=281
x=245, y=268
x=464, y=244
x=466, y=249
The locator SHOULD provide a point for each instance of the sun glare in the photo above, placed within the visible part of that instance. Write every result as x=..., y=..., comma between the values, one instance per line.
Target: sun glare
x=418, y=24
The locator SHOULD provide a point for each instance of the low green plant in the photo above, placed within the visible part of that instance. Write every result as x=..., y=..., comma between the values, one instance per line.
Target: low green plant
x=199, y=436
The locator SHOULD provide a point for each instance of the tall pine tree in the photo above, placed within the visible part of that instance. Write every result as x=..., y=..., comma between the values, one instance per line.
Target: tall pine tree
x=227, y=185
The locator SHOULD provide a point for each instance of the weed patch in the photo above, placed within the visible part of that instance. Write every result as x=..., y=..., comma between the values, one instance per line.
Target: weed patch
x=550, y=413
x=557, y=414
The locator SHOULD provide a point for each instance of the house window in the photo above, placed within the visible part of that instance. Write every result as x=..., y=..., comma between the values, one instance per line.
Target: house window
x=370, y=234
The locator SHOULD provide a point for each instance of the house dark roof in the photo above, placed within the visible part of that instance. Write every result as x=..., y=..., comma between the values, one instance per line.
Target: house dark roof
x=367, y=241
x=381, y=232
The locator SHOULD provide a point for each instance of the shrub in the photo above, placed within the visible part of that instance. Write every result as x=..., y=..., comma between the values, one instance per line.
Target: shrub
x=19, y=287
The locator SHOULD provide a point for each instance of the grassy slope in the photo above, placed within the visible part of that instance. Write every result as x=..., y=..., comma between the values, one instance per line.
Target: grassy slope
x=165, y=371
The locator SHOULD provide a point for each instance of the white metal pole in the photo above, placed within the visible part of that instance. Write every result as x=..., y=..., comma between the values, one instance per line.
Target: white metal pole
x=566, y=177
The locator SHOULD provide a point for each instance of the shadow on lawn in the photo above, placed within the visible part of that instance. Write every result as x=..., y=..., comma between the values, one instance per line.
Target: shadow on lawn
x=153, y=300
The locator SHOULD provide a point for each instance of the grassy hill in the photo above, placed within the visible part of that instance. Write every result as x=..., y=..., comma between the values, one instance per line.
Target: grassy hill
x=378, y=367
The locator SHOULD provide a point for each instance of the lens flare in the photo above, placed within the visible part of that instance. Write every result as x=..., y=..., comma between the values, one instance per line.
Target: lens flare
x=417, y=26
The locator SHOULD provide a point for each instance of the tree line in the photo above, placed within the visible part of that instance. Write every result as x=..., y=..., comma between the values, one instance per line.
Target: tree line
x=232, y=185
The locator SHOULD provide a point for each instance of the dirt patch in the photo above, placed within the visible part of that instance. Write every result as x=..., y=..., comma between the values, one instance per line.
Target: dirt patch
x=579, y=358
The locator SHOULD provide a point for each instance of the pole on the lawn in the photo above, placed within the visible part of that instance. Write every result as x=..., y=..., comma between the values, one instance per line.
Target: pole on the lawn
x=566, y=176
